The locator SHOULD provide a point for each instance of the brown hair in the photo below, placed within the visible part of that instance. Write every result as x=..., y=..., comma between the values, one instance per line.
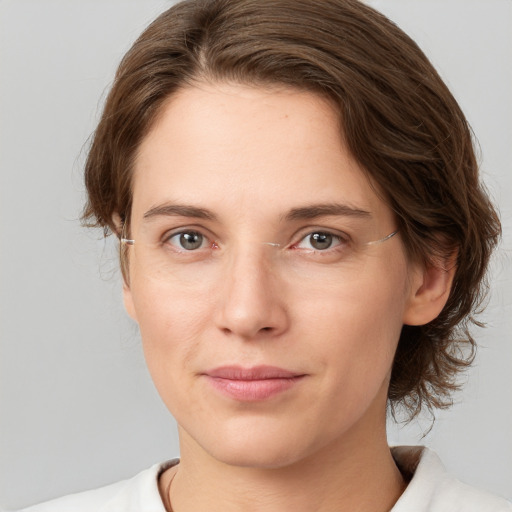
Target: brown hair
x=399, y=120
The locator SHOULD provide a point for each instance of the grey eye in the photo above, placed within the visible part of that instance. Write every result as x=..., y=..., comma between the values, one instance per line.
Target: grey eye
x=188, y=240
x=321, y=241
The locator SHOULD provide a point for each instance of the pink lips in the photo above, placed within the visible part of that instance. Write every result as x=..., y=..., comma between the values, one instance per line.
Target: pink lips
x=252, y=384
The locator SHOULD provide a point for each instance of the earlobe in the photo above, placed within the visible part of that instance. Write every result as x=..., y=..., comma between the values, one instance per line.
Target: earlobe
x=430, y=289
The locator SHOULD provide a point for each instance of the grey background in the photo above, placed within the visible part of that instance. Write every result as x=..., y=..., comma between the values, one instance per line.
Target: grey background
x=77, y=408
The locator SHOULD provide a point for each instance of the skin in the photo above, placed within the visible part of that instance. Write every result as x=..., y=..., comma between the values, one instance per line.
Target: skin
x=249, y=156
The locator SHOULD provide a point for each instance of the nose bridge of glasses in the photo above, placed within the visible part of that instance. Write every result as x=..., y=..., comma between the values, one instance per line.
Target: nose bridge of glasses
x=257, y=257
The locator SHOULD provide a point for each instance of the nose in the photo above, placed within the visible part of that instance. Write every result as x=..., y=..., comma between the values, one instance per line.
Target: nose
x=252, y=303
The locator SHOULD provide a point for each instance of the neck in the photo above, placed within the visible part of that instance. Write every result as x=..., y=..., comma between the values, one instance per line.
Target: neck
x=356, y=473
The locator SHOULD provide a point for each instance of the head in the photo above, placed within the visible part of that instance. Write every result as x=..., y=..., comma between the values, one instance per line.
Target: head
x=399, y=124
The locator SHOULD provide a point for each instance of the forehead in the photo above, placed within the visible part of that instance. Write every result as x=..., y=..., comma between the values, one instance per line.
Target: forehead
x=250, y=149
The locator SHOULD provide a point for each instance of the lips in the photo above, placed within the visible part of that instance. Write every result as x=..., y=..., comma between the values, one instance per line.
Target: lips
x=252, y=384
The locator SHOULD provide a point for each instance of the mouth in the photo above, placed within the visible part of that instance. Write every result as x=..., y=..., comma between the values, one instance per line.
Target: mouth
x=252, y=384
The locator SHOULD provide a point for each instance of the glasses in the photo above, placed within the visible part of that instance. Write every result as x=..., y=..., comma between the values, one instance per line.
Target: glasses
x=194, y=256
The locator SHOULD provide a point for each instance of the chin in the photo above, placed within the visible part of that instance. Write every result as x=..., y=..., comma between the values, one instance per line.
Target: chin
x=256, y=457
x=260, y=444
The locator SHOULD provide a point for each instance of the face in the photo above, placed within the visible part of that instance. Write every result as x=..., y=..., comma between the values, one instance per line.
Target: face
x=268, y=321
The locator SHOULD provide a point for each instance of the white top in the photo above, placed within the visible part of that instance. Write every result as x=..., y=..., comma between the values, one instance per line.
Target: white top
x=431, y=489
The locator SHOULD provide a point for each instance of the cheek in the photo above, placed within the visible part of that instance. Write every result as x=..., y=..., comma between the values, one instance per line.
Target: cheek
x=171, y=322
x=369, y=302
x=355, y=329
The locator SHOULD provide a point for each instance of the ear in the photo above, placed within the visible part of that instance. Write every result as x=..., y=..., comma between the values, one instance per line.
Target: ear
x=128, y=301
x=430, y=289
x=127, y=292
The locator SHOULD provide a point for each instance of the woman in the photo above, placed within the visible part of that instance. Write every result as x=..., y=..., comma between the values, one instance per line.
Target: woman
x=303, y=240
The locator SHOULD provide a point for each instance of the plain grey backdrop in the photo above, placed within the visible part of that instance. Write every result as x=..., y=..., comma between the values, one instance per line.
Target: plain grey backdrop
x=77, y=407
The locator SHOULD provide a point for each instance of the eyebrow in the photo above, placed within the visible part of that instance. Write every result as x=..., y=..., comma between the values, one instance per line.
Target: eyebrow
x=179, y=210
x=323, y=210
x=301, y=213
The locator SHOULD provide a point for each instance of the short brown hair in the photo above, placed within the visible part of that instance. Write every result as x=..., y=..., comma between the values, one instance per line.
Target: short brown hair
x=398, y=119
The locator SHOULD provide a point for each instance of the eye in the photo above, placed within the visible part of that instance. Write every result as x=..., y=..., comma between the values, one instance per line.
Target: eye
x=188, y=240
x=320, y=241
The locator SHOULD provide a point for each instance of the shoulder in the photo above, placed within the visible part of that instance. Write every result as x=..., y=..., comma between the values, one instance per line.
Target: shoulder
x=433, y=489
x=137, y=494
